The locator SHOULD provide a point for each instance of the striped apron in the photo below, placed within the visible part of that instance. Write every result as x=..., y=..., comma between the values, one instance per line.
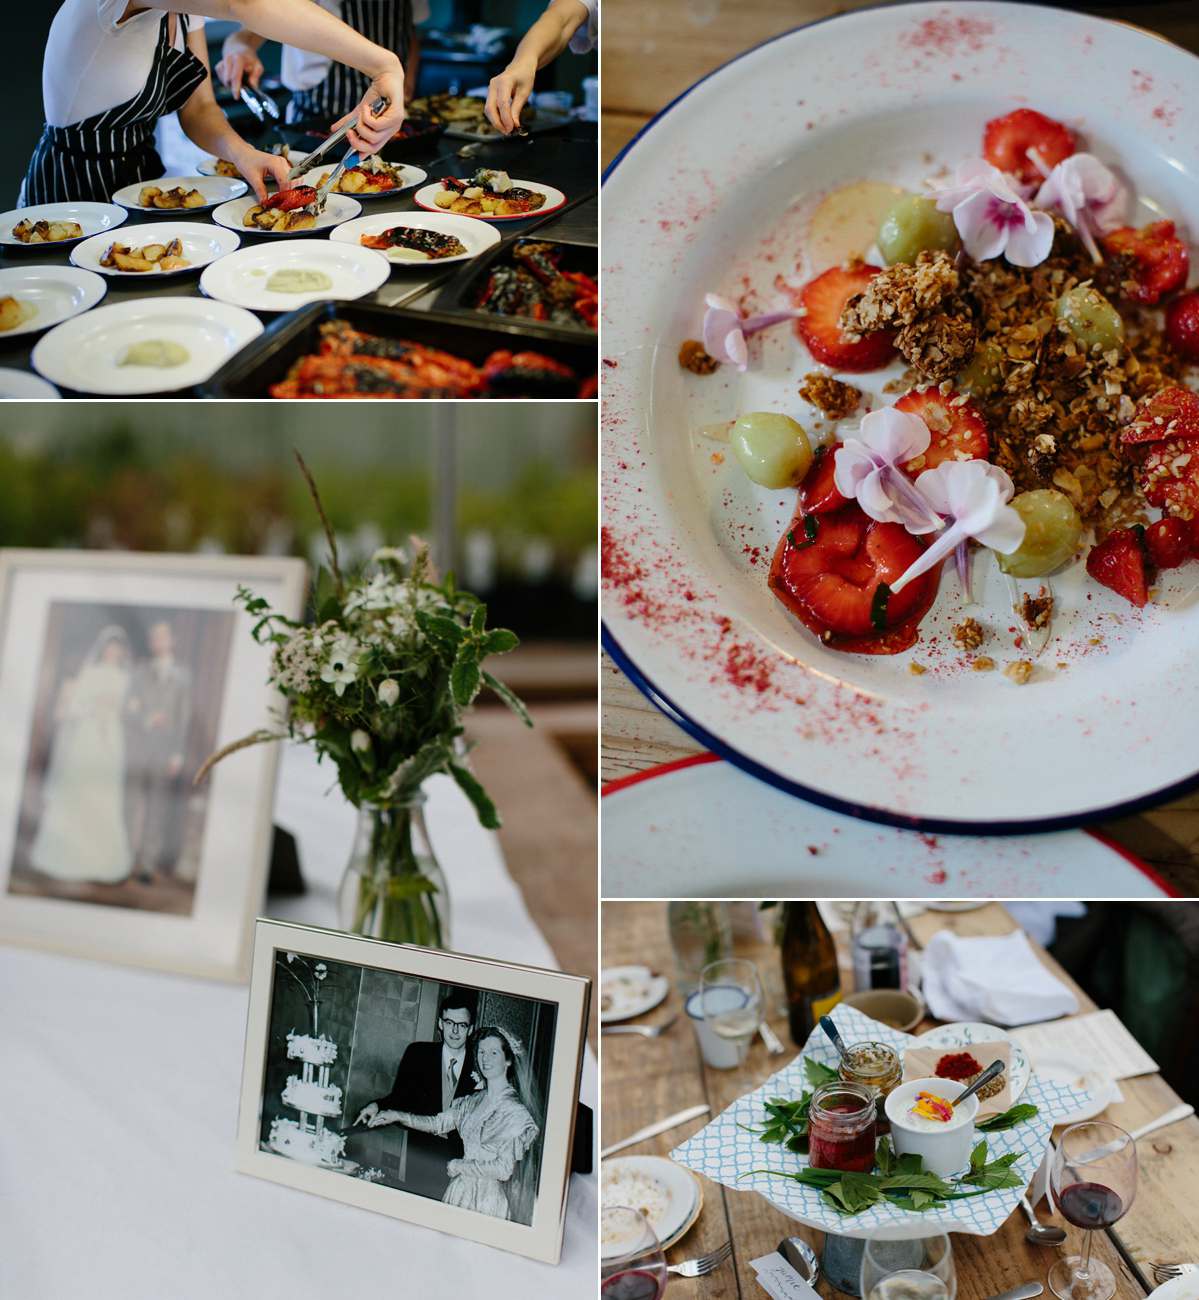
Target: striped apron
x=387, y=23
x=89, y=160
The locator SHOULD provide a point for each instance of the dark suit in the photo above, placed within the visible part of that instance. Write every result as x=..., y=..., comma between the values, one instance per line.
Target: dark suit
x=417, y=1089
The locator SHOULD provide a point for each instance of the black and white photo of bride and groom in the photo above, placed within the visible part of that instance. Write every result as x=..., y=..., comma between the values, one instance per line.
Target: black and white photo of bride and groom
x=127, y=708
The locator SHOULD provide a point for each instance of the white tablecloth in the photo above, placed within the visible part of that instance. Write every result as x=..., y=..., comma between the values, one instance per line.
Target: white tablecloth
x=118, y=1113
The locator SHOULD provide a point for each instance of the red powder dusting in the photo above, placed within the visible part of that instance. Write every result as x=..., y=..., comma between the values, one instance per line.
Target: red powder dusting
x=945, y=34
x=936, y=877
x=743, y=667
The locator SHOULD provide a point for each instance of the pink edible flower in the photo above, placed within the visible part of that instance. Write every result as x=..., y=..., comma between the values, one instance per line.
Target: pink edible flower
x=725, y=329
x=868, y=469
x=992, y=218
x=1088, y=195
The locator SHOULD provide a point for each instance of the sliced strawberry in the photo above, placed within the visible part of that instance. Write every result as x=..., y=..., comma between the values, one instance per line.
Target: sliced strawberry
x=1145, y=263
x=1182, y=325
x=959, y=431
x=1168, y=413
x=1119, y=562
x=1170, y=476
x=1007, y=140
x=823, y=300
x=1170, y=542
x=828, y=570
x=818, y=493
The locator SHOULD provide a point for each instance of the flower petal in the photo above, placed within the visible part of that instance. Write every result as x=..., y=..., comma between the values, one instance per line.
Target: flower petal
x=1029, y=244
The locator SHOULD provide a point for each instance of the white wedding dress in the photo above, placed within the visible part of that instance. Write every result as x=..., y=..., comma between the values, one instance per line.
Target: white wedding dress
x=82, y=833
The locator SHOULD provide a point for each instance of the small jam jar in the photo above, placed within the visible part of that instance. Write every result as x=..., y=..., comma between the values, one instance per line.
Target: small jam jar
x=842, y=1128
x=878, y=1067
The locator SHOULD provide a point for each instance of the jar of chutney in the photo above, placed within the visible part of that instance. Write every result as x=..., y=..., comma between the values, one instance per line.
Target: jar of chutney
x=842, y=1127
x=879, y=1068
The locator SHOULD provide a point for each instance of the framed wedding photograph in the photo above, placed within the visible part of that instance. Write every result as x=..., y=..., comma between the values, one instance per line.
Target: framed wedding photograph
x=433, y=1087
x=120, y=674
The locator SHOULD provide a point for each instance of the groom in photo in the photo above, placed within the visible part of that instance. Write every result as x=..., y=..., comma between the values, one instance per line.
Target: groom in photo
x=430, y=1076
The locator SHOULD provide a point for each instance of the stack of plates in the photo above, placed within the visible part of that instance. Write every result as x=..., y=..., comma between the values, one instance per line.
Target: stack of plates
x=668, y=1195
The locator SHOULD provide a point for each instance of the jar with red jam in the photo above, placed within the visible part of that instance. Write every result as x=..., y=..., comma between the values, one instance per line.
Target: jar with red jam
x=842, y=1128
x=878, y=1067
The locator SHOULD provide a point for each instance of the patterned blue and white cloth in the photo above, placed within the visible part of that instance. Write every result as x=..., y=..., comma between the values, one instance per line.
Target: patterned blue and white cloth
x=727, y=1152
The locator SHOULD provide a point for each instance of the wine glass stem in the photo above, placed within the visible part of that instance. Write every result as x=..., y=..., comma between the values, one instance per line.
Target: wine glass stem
x=1084, y=1264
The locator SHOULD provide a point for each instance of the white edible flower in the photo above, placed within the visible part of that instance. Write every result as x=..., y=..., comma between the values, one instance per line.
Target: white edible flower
x=992, y=218
x=360, y=742
x=867, y=469
x=725, y=329
x=1088, y=195
x=389, y=691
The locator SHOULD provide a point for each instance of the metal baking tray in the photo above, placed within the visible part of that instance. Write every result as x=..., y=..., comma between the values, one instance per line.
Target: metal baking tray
x=464, y=290
x=268, y=358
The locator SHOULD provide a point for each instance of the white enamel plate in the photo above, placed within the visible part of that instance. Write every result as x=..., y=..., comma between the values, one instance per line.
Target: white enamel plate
x=92, y=218
x=337, y=209
x=716, y=195
x=202, y=244
x=474, y=235
x=55, y=293
x=215, y=189
x=553, y=199
x=243, y=278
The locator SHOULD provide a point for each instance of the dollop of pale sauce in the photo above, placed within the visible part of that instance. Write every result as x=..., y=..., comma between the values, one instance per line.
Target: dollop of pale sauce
x=407, y=255
x=162, y=353
x=846, y=223
x=298, y=279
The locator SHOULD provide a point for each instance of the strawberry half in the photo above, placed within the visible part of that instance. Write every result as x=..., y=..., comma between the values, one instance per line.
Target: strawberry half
x=1169, y=413
x=823, y=300
x=1170, y=542
x=818, y=493
x=1182, y=325
x=1145, y=263
x=1120, y=562
x=828, y=570
x=1007, y=140
x=959, y=431
x=1170, y=476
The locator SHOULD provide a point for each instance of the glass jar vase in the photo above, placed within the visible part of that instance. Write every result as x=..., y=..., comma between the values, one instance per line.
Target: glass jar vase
x=393, y=887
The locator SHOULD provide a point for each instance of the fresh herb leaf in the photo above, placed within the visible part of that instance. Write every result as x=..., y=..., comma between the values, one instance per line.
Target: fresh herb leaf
x=878, y=607
x=817, y=1073
x=1009, y=1119
x=997, y=1173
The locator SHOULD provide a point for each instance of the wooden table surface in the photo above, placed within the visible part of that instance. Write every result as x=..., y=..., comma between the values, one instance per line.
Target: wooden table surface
x=645, y=1079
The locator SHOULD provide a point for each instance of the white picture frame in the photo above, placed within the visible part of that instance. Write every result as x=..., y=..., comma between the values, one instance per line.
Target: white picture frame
x=374, y=995
x=119, y=674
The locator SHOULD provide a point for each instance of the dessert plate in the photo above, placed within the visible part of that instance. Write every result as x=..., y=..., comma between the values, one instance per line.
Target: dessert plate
x=93, y=218
x=702, y=828
x=338, y=208
x=243, y=277
x=477, y=236
x=553, y=199
x=202, y=244
x=216, y=190
x=628, y=991
x=1077, y=1073
x=83, y=353
x=57, y=292
x=716, y=195
x=668, y=1195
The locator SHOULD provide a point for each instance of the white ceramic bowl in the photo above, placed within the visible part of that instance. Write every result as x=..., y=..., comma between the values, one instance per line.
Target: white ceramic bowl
x=945, y=1150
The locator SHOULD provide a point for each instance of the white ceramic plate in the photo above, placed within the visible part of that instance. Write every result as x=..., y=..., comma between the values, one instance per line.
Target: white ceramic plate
x=965, y=1033
x=1185, y=1287
x=1075, y=1072
x=475, y=235
x=553, y=199
x=674, y=1193
x=241, y=278
x=202, y=244
x=703, y=828
x=82, y=353
x=21, y=384
x=716, y=195
x=630, y=991
x=338, y=208
x=409, y=176
x=58, y=293
x=216, y=190
x=207, y=166
x=92, y=217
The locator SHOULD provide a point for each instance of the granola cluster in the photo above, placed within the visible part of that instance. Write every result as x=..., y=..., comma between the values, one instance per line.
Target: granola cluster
x=836, y=399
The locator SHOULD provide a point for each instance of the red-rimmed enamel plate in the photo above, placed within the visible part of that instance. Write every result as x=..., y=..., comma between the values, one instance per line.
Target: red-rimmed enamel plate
x=553, y=199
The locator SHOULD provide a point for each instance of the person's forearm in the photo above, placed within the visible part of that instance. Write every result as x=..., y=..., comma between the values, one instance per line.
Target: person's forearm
x=551, y=33
x=242, y=41
x=208, y=128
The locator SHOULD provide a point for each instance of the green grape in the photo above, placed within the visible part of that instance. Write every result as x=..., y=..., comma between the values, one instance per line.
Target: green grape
x=1051, y=532
x=1091, y=318
x=910, y=226
x=771, y=448
x=983, y=371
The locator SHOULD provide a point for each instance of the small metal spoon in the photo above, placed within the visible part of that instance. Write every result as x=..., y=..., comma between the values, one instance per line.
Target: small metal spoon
x=801, y=1257
x=1040, y=1234
x=826, y=1023
x=992, y=1071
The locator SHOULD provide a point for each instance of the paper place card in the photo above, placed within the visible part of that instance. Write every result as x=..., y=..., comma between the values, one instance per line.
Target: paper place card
x=780, y=1280
x=1098, y=1037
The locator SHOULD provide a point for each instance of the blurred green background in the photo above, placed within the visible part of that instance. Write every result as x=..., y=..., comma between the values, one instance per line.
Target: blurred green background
x=507, y=494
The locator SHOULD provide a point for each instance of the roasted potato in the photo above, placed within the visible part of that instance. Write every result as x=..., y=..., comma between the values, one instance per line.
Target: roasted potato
x=152, y=252
x=148, y=194
x=11, y=314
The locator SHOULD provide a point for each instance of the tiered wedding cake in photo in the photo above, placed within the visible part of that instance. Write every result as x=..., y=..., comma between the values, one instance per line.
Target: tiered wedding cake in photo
x=313, y=1096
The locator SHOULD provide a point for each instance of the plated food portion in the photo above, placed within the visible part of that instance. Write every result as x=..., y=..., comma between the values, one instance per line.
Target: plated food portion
x=169, y=248
x=489, y=194
x=282, y=277
x=38, y=297
x=179, y=193
x=289, y=212
x=373, y=177
x=58, y=223
x=414, y=237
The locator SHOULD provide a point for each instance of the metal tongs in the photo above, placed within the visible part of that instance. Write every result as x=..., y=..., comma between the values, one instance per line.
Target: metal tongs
x=317, y=156
x=259, y=103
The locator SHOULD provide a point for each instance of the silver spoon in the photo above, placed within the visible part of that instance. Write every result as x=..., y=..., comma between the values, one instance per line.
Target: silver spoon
x=801, y=1257
x=826, y=1023
x=992, y=1070
x=1040, y=1234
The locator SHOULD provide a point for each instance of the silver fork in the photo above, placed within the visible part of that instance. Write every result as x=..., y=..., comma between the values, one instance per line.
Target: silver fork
x=646, y=1031
x=1164, y=1272
x=704, y=1264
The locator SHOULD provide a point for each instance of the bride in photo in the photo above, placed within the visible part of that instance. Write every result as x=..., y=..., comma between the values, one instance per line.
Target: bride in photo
x=499, y=1125
x=82, y=834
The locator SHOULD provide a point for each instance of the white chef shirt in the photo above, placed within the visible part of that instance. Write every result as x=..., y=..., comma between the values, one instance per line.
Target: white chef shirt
x=94, y=61
x=584, y=40
x=301, y=69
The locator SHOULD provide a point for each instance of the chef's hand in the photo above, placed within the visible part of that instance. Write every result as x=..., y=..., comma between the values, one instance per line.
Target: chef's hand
x=368, y=1112
x=508, y=93
x=257, y=166
x=372, y=132
x=238, y=66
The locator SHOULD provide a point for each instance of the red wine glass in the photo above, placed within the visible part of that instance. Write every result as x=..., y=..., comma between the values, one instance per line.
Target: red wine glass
x=632, y=1265
x=1093, y=1179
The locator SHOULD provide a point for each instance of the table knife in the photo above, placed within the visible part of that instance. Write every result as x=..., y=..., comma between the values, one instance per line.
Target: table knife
x=652, y=1130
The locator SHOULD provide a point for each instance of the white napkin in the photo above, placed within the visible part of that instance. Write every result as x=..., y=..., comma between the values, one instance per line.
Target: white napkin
x=998, y=980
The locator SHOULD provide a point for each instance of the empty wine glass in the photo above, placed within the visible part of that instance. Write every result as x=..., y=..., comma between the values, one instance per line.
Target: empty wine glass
x=731, y=999
x=901, y=1261
x=1093, y=1179
x=632, y=1265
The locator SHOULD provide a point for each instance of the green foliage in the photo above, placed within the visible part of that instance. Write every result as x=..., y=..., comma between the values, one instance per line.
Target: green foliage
x=1009, y=1119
